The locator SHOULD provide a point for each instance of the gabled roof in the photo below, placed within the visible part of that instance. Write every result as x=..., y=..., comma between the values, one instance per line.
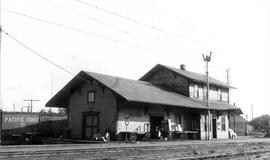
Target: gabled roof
x=140, y=91
x=197, y=77
x=131, y=90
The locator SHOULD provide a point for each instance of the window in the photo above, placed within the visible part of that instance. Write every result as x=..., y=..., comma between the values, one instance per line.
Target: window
x=204, y=92
x=225, y=96
x=219, y=95
x=213, y=94
x=191, y=91
x=202, y=123
x=180, y=119
x=200, y=92
x=223, y=123
x=196, y=91
x=205, y=123
x=90, y=96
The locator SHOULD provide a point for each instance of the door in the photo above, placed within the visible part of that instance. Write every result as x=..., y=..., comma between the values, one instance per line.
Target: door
x=90, y=125
x=155, y=124
x=214, y=121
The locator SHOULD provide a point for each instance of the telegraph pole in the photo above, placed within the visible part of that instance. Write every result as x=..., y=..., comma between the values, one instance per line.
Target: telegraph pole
x=252, y=114
x=28, y=107
x=207, y=59
x=52, y=85
x=14, y=108
x=31, y=103
x=228, y=76
x=0, y=58
x=228, y=82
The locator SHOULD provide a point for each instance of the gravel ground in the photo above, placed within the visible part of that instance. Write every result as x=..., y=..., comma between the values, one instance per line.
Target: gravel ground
x=241, y=148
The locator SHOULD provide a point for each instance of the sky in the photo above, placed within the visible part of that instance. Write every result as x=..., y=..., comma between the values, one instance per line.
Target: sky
x=126, y=38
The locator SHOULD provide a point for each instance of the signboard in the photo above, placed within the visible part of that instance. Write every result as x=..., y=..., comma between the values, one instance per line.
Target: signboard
x=218, y=125
x=12, y=121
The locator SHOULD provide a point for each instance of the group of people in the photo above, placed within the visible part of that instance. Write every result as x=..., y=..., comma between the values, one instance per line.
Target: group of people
x=101, y=137
x=162, y=134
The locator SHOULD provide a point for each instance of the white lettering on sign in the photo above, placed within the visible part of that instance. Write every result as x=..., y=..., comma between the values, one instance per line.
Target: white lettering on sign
x=31, y=120
x=21, y=119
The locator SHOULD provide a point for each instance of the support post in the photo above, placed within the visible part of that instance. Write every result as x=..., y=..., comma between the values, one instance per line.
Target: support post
x=207, y=59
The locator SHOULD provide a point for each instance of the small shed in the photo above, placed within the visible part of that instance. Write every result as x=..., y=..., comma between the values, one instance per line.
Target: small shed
x=240, y=125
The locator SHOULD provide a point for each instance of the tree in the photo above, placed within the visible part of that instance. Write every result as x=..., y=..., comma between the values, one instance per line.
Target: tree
x=42, y=111
x=261, y=123
x=62, y=110
x=50, y=110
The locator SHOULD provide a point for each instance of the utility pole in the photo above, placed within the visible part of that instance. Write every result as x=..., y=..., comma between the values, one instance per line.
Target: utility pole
x=0, y=72
x=207, y=59
x=252, y=114
x=31, y=103
x=28, y=108
x=52, y=85
x=52, y=91
x=14, y=108
x=228, y=82
x=1, y=102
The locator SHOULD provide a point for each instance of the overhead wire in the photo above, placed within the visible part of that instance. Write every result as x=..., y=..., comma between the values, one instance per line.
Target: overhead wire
x=117, y=28
x=41, y=56
x=96, y=20
x=128, y=18
x=70, y=28
x=82, y=31
x=140, y=23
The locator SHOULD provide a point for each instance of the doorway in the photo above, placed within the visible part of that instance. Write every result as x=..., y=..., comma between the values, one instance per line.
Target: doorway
x=155, y=123
x=90, y=125
x=214, y=131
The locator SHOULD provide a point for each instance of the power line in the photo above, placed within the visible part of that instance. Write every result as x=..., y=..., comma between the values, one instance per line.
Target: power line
x=228, y=82
x=0, y=57
x=128, y=18
x=68, y=27
x=97, y=20
x=140, y=23
x=41, y=56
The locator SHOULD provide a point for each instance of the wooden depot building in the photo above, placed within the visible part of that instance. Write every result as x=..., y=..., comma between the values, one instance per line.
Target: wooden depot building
x=97, y=103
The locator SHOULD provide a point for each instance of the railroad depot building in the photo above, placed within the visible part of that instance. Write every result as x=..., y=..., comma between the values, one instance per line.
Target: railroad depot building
x=164, y=96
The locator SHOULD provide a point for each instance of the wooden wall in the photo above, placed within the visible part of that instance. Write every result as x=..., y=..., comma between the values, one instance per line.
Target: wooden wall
x=105, y=104
x=172, y=80
x=221, y=134
x=215, y=93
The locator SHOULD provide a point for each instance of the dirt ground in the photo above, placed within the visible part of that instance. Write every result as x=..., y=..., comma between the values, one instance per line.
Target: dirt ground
x=240, y=148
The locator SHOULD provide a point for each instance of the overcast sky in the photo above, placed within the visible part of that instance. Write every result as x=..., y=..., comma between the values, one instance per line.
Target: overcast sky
x=127, y=38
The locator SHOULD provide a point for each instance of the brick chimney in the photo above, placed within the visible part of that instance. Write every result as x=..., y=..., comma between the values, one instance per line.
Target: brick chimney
x=183, y=67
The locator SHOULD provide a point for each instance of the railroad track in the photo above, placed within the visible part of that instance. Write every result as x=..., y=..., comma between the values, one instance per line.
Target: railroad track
x=186, y=152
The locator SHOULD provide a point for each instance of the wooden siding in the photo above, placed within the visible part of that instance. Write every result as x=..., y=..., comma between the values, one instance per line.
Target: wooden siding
x=215, y=93
x=220, y=133
x=105, y=105
x=181, y=85
x=172, y=80
x=139, y=118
